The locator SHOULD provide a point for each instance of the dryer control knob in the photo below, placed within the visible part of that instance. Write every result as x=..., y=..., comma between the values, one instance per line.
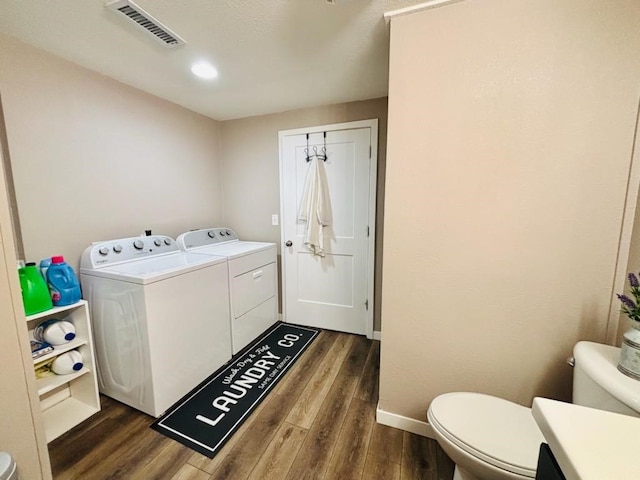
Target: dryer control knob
x=117, y=248
x=211, y=234
x=157, y=242
x=228, y=233
x=138, y=244
x=103, y=251
x=167, y=241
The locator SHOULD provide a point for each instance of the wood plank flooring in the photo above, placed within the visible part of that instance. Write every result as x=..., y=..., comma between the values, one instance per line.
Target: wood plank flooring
x=317, y=423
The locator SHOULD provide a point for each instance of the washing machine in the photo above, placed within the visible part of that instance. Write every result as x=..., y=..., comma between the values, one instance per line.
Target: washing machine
x=160, y=318
x=253, y=279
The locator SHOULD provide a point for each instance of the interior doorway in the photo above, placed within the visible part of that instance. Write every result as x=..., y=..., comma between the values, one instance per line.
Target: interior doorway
x=334, y=291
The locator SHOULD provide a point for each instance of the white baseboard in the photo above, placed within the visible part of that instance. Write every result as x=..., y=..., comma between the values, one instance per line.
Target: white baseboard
x=404, y=423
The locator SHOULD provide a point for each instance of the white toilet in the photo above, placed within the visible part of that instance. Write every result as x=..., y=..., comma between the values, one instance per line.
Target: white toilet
x=490, y=438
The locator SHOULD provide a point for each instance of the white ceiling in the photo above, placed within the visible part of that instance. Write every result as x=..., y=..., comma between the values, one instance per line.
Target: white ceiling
x=272, y=55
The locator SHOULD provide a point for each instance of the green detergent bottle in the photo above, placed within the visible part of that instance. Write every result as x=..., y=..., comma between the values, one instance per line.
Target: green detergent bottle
x=35, y=293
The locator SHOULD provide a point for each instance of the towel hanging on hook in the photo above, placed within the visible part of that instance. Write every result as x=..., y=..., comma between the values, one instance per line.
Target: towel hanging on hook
x=315, y=204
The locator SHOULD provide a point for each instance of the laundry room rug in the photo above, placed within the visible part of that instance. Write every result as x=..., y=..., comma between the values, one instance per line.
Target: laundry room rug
x=209, y=415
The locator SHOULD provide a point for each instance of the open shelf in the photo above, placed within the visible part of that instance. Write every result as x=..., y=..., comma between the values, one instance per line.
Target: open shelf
x=67, y=400
x=60, y=349
x=66, y=415
x=52, y=312
x=51, y=382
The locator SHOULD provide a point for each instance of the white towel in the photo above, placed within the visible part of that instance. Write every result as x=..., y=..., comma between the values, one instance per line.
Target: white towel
x=315, y=208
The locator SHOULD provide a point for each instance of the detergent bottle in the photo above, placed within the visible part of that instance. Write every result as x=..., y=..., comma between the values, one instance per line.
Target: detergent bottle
x=44, y=266
x=68, y=362
x=35, y=295
x=55, y=332
x=63, y=283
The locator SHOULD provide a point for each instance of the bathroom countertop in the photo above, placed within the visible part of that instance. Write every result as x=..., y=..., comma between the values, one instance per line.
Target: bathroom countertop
x=589, y=444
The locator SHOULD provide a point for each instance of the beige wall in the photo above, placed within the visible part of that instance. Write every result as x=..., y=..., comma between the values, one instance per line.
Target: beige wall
x=21, y=430
x=94, y=159
x=250, y=168
x=511, y=126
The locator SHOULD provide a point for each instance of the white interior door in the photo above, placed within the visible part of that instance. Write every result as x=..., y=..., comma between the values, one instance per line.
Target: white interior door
x=334, y=291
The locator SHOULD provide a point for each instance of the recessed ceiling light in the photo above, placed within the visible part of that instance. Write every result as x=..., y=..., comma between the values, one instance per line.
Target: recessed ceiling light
x=204, y=70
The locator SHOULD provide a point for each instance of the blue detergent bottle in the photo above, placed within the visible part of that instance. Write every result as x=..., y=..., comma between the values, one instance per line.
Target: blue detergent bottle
x=63, y=283
x=44, y=265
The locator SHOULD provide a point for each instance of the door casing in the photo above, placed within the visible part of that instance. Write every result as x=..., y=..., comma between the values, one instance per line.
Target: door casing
x=373, y=170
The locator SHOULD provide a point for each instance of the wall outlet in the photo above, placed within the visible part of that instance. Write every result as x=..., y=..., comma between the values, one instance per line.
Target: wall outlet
x=274, y=219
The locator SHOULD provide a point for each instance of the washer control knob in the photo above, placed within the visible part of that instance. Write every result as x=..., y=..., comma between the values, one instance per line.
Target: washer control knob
x=228, y=233
x=138, y=244
x=117, y=248
x=211, y=234
x=157, y=242
x=167, y=241
x=103, y=250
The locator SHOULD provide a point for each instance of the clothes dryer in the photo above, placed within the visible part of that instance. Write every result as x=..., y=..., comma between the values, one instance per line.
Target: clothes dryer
x=253, y=279
x=160, y=318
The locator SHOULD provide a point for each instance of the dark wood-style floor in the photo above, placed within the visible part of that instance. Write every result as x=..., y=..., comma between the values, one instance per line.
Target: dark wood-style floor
x=317, y=423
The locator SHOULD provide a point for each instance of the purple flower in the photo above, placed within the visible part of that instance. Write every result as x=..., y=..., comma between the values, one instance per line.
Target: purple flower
x=633, y=281
x=627, y=302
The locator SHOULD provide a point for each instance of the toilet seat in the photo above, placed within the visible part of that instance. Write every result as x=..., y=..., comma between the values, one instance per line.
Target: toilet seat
x=496, y=431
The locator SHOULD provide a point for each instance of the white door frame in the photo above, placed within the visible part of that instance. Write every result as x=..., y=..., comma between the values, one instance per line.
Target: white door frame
x=373, y=176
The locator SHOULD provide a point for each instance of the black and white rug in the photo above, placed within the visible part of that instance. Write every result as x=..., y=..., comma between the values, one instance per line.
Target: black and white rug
x=207, y=417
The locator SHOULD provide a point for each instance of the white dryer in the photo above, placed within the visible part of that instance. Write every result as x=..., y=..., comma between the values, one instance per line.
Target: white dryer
x=160, y=318
x=253, y=279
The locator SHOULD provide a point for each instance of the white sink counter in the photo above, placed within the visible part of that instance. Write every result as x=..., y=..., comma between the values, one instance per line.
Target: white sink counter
x=589, y=444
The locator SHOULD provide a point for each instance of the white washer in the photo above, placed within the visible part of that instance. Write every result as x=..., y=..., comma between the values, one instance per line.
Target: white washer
x=253, y=279
x=160, y=318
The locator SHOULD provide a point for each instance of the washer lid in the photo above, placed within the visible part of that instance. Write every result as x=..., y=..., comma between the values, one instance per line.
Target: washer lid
x=492, y=429
x=233, y=250
x=155, y=268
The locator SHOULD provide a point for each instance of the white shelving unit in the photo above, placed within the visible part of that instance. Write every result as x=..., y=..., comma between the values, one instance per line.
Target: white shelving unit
x=67, y=400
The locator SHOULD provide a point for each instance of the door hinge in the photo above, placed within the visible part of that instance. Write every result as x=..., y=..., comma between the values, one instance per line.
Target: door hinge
x=370, y=152
x=367, y=230
x=366, y=304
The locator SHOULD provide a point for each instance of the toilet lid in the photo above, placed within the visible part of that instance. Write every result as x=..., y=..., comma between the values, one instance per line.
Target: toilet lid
x=492, y=429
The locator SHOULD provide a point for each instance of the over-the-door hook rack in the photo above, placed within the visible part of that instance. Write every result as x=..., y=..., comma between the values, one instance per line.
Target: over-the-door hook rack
x=306, y=150
x=321, y=156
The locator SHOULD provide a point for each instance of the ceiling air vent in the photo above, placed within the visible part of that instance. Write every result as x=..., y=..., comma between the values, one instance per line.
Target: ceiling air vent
x=145, y=21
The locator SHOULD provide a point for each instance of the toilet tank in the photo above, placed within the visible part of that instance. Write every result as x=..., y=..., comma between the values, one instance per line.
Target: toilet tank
x=597, y=383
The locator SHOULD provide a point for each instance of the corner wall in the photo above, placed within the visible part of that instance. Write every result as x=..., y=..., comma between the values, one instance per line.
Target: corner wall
x=21, y=430
x=93, y=159
x=511, y=127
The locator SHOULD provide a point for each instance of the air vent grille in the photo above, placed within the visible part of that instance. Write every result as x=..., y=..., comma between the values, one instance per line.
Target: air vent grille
x=145, y=21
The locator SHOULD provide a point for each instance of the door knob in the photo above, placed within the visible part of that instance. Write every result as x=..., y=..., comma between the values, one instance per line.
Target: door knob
x=289, y=243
